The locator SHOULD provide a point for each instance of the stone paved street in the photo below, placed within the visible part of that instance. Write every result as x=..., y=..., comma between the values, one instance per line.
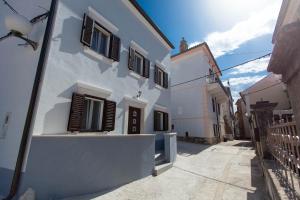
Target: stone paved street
x=227, y=170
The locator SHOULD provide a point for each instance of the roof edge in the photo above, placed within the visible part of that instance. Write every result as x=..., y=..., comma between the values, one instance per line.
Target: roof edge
x=150, y=21
x=197, y=46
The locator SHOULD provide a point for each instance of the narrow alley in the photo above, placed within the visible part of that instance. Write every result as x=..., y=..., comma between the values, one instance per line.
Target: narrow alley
x=227, y=170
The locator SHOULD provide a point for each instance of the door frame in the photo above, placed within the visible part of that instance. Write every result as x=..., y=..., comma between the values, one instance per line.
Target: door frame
x=137, y=103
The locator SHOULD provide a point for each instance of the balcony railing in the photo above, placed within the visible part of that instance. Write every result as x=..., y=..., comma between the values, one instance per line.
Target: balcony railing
x=214, y=79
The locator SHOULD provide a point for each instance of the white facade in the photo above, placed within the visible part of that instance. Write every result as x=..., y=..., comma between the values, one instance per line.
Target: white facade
x=192, y=108
x=72, y=67
x=71, y=63
x=17, y=71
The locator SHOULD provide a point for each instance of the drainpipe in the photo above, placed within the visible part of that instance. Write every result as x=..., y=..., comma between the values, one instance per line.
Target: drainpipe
x=26, y=131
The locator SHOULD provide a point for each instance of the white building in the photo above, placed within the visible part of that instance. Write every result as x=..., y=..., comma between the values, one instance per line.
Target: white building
x=101, y=67
x=199, y=103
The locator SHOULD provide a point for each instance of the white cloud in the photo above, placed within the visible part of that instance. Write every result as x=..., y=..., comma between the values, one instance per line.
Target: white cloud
x=244, y=80
x=258, y=24
x=252, y=67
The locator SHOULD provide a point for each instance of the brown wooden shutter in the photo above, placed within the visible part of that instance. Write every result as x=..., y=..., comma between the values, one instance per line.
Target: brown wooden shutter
x=109, y=114
x=114, y=50
x=156, y=121
x=131, y=58
x=87, y=30
x=166, y=80
x=146, y=68
x=166, y=121
x=155, y=74
x=76, y=112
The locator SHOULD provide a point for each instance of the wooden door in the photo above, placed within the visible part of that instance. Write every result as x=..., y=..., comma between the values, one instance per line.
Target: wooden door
x=134, y=120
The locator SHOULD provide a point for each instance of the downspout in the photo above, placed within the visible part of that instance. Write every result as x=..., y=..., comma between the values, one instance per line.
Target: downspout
x=37, y=80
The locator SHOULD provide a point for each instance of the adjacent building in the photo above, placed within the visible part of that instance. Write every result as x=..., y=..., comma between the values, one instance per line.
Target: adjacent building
x=201, y=105
x=97, y=75
x=269, y=89
x=285, y=58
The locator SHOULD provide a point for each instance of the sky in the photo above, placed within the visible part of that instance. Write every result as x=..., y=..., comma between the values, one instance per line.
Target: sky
x=235, y=30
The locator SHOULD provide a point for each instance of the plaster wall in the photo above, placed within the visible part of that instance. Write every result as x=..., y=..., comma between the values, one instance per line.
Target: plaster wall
x=69, y=64
x=63, y=166
x=191, y=104
x=17, y=72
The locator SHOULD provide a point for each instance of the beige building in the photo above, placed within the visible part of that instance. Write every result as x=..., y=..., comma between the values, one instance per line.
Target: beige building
x=271, y=89
x=285, y=58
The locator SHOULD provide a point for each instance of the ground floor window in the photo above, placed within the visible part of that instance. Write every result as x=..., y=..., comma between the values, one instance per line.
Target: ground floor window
x=93, y=114
x=216, y=130
x=161, y=121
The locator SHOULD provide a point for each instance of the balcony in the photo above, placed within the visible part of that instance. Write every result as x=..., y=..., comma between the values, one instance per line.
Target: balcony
x=216, y=88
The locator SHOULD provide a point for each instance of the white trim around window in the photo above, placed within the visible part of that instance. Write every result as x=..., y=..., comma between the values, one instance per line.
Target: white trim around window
x=139, y=48
x=93, y=90
x=102, y=20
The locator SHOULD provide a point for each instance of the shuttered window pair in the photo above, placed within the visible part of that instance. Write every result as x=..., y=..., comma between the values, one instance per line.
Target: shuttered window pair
x=138, y=63
x=90, y=113
x=160, y=77
x=161, y=121
x=100, y=39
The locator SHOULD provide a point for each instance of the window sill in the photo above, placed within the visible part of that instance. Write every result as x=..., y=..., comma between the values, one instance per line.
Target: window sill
x=136, y=75
x=94, y=54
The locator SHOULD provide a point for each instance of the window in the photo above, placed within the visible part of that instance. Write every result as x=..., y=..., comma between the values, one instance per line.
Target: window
x=218, y=108
x=161, y=121
x=216, y=130
x=93, y=109
x=138, y=63
x=213, y=104
x=89, y=113
x=100, y=40
x=161, y=77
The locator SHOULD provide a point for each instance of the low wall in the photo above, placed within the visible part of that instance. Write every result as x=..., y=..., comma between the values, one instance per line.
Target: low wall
x=62, y=166
x=170, y=147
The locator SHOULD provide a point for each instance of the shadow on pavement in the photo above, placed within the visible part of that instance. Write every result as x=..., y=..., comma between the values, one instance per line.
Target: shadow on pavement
x=188, y=149
x=257, y=181
x=244, y=144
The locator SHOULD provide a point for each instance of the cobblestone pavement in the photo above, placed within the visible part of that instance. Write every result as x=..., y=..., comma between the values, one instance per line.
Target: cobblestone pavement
x=227, y=170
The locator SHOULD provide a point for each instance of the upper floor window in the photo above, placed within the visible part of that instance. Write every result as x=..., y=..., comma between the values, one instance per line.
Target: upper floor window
x=161, y=77
x=213, y=104
x=138, y=63
x=99, y=39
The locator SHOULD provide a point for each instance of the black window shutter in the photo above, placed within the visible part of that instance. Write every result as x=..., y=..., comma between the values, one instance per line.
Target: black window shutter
x=87, y=30
x=109, y=114
x=131, y=58
x=146, y=68
x=114, y=50
x=166, y=80
x=156, y=121
x=76, y=112
x=155, y=74
x=166, y=121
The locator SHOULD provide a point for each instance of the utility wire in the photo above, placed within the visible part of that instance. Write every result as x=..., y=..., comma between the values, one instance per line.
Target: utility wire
x=10, y=7
x=262, y=89
x=205, y=76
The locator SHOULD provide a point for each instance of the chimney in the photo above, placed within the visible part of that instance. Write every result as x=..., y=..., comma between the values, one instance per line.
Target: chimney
x=183, y=45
